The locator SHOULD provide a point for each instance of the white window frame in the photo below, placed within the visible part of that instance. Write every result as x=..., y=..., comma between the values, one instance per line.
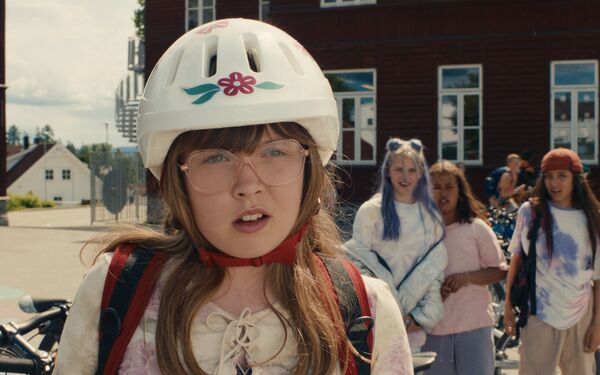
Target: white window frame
x=67, y=173
x=574, y=90
x=460, y=93
x=49, y=174
x=342, y=3
x=200, y=9
x=357, y=95
x=260, y=7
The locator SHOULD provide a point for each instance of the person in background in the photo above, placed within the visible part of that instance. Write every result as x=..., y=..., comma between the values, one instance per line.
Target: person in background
x=508, y=191
x=564, y=331
x=528, y=174
x=397, y=236
x=463, y=338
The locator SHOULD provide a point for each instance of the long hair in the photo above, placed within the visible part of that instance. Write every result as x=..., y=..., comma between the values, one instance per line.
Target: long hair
x=583, y=198
x=313, y=314
x=412, y=149
x=468, y=207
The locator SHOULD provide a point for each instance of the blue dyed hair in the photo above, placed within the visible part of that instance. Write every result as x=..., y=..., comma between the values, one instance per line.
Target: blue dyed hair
x=412, y=149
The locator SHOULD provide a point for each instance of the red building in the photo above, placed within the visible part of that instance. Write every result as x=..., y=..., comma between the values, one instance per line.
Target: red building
x=474, y=80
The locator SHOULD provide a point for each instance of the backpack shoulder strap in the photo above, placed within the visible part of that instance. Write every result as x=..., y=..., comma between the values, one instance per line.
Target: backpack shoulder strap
x=130, y=282
x=345, y=280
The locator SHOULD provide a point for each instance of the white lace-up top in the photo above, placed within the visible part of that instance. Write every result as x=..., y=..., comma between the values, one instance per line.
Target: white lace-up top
x=223, y=343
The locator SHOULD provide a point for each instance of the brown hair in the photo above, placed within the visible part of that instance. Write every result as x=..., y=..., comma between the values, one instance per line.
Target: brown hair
x=469, y=207
x=314, y=314
x=583, y=198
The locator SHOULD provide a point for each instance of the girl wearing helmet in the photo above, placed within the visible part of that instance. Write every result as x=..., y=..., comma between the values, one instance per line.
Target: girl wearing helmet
x=238, y=122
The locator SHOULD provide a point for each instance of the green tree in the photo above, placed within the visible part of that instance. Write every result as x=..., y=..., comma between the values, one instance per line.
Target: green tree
x=71, y=147
x=44, y=134
x=138, y=19
x=13, y=136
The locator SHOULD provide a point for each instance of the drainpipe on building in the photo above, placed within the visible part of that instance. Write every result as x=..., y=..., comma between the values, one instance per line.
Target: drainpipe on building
x=3, y=87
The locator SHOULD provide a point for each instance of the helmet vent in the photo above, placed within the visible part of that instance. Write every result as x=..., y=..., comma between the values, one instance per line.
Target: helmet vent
x=291, y=58
x=211, y=49
x=174, y=69
x=251, y=45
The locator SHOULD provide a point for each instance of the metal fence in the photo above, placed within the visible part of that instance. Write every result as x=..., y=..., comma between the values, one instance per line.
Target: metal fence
x=118, y=188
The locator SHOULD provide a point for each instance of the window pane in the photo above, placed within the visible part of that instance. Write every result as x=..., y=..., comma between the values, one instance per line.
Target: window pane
x=348, y=112
x=450, y=144
x=367, y=145
x=208, y=3
x=460, y=78
x=351, y=81
x=264, y=9
x=574, y=74
x=471, y=110
x=562, y=108
x=586, y=107
x=348, y=145
x=207, y=15
x=192, y=3
x=367, y=113
x=562, y=137
x=471, y=143
x=585, y=143
x=449, y=111
x=192, y=19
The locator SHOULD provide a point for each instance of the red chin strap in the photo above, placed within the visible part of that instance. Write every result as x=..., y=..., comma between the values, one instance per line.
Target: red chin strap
x=284, y=253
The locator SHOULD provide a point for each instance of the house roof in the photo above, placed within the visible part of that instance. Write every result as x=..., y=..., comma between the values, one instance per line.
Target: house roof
x=13, y=149
x=19, y=163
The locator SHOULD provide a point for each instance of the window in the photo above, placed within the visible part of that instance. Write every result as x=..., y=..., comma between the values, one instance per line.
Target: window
x=459, y=113
x=199, y=12
x=264, y=10
x=57, y=199
x=66, y=174
x=574, y=107
x=49, y=174
x=343, y=3
x=355, y=95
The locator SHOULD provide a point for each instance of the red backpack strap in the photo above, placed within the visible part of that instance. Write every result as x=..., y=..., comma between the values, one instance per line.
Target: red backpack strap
x=132, y=276
x=343, y=279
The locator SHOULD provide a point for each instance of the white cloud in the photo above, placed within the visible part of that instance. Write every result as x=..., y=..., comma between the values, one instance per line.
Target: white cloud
x=64, y=61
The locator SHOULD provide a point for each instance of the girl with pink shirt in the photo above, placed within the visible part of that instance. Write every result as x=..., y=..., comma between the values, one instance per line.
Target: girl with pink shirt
x=463, y=338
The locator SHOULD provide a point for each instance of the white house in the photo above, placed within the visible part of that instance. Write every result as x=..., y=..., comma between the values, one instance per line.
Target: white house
x=51, y=172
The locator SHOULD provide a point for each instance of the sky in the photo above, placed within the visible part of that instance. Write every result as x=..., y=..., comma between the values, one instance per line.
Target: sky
x=64, y=60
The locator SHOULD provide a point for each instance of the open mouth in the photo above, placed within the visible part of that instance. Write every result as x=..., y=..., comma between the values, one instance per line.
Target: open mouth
x=248, y=219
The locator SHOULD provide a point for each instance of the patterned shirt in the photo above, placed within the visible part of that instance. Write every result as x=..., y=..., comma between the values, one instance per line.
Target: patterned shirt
x=563, y=282
x=223, y=343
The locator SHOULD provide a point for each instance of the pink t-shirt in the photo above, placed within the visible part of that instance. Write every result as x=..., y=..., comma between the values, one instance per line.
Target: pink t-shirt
x=471, y=247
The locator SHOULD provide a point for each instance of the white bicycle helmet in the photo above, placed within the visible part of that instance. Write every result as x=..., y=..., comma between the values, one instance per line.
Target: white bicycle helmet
x=284, y=83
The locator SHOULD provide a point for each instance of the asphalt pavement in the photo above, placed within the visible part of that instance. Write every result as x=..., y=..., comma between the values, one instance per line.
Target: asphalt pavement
x=40, y=255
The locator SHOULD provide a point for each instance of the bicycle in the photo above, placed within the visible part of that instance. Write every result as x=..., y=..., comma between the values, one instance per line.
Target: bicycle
x=18, y=351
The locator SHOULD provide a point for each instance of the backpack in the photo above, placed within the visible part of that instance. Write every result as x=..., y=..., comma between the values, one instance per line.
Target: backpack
x=490, y=185
x=132, y=276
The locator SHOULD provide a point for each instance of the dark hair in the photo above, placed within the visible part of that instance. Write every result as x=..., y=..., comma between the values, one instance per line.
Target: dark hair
x=469, y=207
x=583, y=198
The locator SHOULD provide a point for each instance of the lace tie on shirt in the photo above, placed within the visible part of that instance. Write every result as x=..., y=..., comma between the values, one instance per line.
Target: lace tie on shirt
x=237, y=336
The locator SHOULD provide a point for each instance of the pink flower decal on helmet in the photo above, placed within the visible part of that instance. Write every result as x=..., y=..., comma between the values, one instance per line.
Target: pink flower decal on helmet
x=237, y=83
x=209, y=28
x=232, y=85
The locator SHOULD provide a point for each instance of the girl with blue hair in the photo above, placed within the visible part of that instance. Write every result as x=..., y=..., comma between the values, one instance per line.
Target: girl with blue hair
x=397, y=237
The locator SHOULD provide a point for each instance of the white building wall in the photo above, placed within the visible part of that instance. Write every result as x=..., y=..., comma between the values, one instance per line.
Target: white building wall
x=57, y=159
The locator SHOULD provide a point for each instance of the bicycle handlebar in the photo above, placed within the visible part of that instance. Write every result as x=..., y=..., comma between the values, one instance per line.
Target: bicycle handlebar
x=34, y=322
x=18, y=365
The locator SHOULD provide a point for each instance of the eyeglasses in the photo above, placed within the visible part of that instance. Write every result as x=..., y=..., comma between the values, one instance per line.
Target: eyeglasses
x=275, y=163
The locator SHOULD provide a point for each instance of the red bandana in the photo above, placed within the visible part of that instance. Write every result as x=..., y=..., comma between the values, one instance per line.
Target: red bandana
x=284, y=253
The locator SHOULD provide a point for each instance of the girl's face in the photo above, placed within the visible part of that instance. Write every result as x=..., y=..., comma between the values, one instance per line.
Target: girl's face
x=404, y=175
x=250, y=218
x=559, y=184
x=445, y=192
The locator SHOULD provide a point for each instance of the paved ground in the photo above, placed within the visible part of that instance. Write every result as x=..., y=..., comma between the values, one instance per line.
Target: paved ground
x=39, y=254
